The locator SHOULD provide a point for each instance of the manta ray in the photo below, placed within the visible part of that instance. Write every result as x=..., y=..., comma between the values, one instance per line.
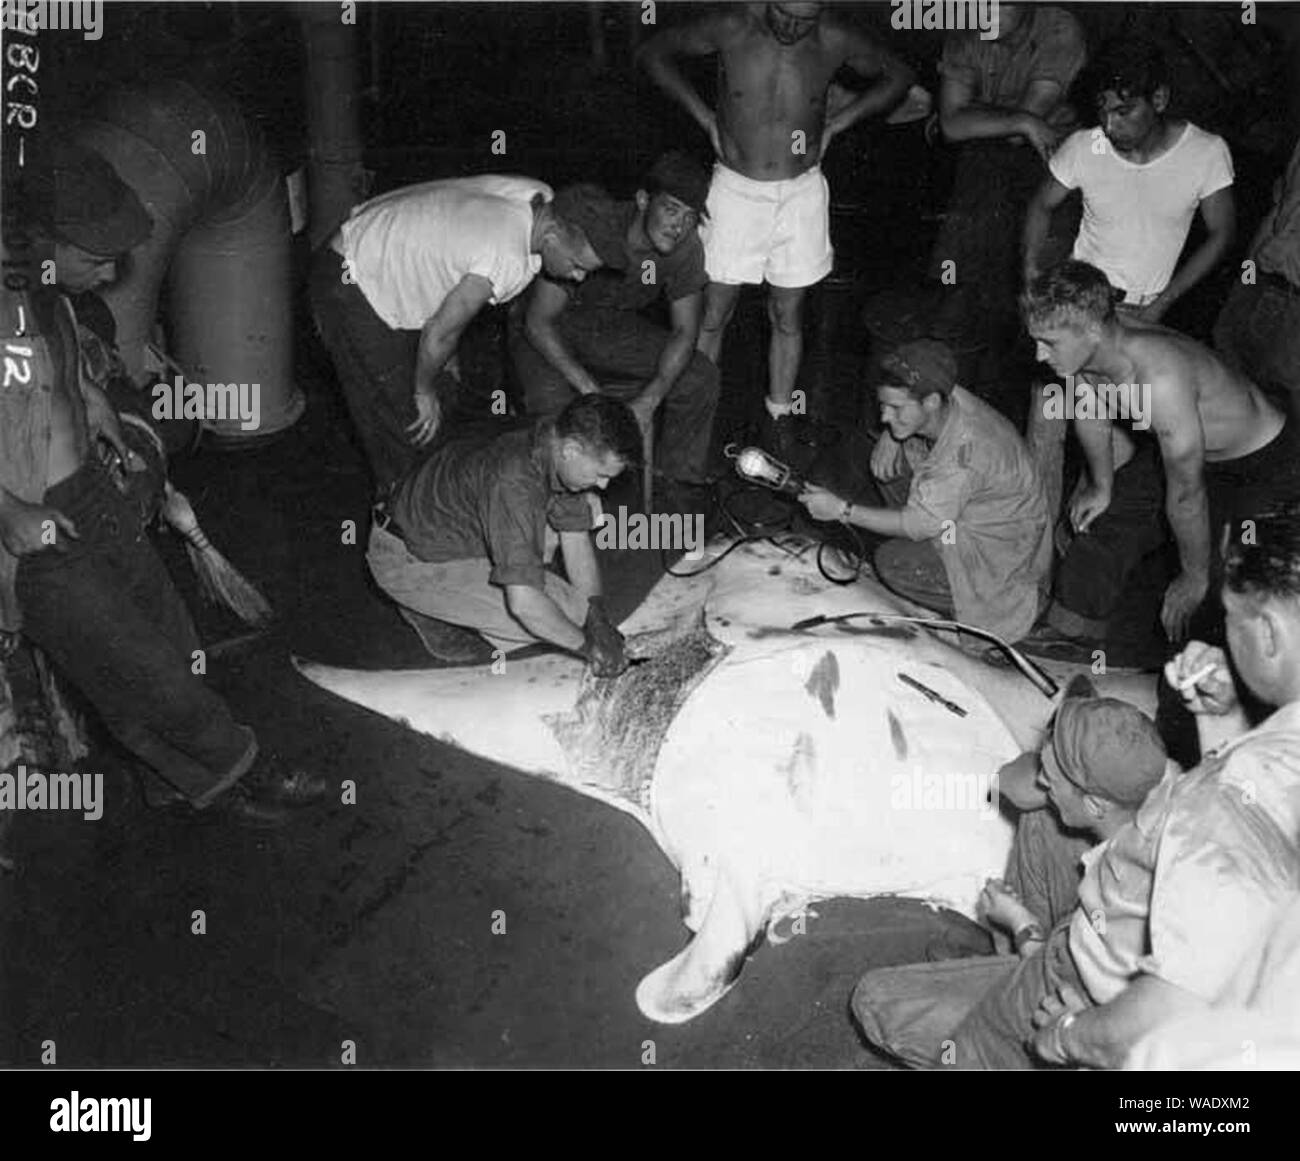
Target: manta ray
x=774, y=765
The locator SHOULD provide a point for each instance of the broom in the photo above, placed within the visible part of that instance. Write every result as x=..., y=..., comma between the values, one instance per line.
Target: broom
x=219, y=580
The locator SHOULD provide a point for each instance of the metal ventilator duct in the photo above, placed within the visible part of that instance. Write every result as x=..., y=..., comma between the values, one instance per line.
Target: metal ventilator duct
x=220, y=243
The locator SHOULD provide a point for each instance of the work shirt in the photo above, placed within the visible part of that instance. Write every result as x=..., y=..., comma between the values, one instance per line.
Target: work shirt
x=1052, y=49
x=410, y=248
x=490, y=498
x=646, y=275
x=1136, y=217
x=977, y=495
x=1277, y=244
x=1183, y=890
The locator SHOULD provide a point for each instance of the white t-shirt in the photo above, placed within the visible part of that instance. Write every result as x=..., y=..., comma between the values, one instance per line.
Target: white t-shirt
x=408, y=249
x=1136, y=217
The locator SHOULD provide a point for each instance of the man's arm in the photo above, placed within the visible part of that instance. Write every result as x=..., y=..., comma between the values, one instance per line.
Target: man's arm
x=1101, y=1037
x=963, y=118
x=580, y=563
x=545, y=305
x=442, y=331
x=699, y=38
x=872, y=61
x=826, y=505
x=543, y=618
x=438, y=339
x=1177, y=424
x=685, y=314
x=1038, y=224
x=1219, y=213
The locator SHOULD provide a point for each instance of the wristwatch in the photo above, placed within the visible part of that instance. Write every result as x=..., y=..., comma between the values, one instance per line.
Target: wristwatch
x=1028, y=933
x=845, y=512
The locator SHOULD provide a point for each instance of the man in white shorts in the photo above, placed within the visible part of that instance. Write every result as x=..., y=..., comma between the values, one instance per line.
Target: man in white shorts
x=769, y=205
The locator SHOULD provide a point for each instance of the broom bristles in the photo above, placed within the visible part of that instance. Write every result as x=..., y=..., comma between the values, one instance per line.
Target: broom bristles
x=219, y=580
x=222, y=583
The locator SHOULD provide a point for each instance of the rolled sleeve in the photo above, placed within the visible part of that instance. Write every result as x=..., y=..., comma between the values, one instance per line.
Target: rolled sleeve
x=1224, y=868
x=1065, y=162
x=1219, y=173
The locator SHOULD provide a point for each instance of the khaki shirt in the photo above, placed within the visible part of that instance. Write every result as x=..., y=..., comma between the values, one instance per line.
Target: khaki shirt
x=977, y=495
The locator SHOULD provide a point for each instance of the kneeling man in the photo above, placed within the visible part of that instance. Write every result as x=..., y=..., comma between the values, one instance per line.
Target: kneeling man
x=972, y=537
x=468, y=536
x=592, y=337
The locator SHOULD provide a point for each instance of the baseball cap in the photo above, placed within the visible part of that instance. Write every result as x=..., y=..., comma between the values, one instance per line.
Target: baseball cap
x=923, y=366
x=1110, y=748
x=682, y=176
x=80, y=196
x=1102, y=745
x=598, y=216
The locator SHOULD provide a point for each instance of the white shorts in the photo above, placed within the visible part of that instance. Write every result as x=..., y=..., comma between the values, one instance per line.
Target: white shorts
x=774, y=231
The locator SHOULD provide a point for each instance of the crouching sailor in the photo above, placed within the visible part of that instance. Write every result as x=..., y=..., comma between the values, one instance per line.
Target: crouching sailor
x=973, y=535
x=465, y=541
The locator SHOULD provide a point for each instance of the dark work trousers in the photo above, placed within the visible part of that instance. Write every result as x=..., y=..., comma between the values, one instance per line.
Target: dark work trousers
x=993, y=183
x=1258, y=332
x=108, y=616
x=375, y=364
x=1098, y=566
x=621, y=349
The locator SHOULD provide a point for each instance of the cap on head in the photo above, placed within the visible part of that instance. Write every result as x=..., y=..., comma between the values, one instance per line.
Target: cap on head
x=922, y=367
x=681, y=176
x=81, y=199
x=598, y=216
x=1109, y=748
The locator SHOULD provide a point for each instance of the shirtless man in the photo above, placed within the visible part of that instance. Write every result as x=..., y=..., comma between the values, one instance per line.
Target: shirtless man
x=769, y=205
x=78, y=575
x=1228, y=452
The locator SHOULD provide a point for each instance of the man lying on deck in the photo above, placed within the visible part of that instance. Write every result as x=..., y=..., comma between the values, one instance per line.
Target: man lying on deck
x=972, y=536
x=1172, y=901
x=468, y=536
x=1100, y=760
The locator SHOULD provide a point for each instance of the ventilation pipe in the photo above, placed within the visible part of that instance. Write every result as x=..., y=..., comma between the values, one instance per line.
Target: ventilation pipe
x=336, y=179
x=220, y=242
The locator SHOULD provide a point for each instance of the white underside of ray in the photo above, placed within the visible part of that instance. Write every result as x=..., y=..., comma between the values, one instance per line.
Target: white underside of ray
x=801, y=768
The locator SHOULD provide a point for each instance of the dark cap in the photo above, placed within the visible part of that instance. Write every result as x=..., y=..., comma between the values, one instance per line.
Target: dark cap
x=1110, y=748
x=598, y=216
x=922, y=366
x=1104, y=746
x=682, y=176
x=84, y=202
